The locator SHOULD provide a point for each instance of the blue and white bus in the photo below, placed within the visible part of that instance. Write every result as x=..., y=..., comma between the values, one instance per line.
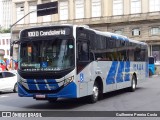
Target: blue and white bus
x=70, y=61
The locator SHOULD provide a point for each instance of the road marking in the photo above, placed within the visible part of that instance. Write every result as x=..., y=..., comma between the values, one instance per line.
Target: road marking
x=4, y=96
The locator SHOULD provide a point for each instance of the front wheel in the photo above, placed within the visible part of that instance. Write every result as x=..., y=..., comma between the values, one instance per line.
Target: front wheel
x=95, y=93
x=133, y=85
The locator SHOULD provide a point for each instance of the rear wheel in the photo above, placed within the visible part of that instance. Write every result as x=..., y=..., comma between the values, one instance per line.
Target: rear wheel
x=95, y=93
x=133, y=84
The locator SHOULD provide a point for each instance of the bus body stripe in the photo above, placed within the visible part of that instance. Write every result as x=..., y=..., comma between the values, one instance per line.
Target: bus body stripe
x=112, y=73
x=119, y=77
x=127, y=71
x=31, y=86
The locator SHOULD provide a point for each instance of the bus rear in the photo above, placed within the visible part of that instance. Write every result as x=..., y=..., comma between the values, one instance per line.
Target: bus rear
x=47, y=63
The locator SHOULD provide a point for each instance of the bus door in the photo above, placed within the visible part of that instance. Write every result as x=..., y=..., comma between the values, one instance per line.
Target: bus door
x=83, y=66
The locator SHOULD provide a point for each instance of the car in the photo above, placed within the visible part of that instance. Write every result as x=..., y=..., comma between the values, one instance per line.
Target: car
x=8, y=81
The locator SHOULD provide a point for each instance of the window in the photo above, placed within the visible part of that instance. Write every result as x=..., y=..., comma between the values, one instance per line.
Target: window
x=156, y=52
x=63, y=10
x=33, y=15
x=83, y=51
x=135, y=6
x=0, y=42
x=96, y=8
x=46, y=18
x=8, y=74
x=20, y=13
x=154, y=5
x=136, y=32
x=117, y=7
x=119, y=32
x=7, y=42
x=3, y=42
x=7, y=52
x=155, y=31
x=79, y=9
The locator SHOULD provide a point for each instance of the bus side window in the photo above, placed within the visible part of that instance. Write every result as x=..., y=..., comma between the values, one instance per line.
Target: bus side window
x=92, y=58
x=83, y=51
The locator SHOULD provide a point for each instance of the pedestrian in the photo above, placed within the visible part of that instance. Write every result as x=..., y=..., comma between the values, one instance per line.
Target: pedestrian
x=16, y=65
x=3, y=68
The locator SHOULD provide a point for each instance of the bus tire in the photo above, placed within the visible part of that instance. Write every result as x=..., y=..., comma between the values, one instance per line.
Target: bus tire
x=52, y=100
x=95, y=94
x=133, y=84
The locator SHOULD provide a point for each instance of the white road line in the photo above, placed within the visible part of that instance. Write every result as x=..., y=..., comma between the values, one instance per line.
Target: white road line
x=3, y=96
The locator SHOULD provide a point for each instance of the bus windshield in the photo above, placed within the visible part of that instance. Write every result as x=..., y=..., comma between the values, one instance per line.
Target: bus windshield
x=47, y=55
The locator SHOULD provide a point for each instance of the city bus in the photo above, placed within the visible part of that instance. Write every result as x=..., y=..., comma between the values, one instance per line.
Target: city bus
x=73, y=61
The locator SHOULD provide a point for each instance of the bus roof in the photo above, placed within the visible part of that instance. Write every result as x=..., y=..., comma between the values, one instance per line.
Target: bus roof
x=116, y=36
x=107, y=34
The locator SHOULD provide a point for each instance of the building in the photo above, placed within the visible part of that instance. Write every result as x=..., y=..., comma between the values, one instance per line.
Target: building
x=5, y=45
x=137, y=19
x=5, y=13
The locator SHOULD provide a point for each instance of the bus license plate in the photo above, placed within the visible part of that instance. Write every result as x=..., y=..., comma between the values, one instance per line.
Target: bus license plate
x=40, y=96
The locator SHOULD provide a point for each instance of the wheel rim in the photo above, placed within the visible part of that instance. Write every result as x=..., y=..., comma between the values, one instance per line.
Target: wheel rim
x=95, y=92
x=133, y=84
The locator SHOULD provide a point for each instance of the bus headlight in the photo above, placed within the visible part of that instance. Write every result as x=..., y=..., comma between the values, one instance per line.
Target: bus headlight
x=68, y=80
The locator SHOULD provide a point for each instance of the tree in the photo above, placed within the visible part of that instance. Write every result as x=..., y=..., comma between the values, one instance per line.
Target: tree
x=5, y=30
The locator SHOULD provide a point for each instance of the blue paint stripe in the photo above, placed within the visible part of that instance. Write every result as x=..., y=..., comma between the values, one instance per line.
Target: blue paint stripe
x=112, y=72
x=119, y=77
x=32, y=87
x=119, y=38
x=127, y=71
x=31, y=81
x=41, y=84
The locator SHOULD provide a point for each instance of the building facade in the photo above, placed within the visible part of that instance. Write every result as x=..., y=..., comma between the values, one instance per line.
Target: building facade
x=5, y=45
x=5, y=13
x=136, y=19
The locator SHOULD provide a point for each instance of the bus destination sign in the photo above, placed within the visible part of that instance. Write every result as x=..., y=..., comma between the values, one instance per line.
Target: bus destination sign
x=46, y=33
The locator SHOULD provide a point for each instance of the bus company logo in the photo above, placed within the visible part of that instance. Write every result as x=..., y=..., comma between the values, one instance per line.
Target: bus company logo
x=138, y=67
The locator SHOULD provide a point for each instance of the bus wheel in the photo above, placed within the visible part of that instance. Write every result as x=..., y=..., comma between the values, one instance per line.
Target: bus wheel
x=95, y=93
x=52, y=100
x=133, y=84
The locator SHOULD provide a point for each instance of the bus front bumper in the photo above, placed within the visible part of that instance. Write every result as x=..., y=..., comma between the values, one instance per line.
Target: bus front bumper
x=69, y=91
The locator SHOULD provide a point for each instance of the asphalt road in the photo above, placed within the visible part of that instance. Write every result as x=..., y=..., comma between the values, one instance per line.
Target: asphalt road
x=145, y=98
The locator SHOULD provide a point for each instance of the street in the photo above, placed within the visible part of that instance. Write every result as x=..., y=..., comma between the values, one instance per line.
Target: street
x=145, y=98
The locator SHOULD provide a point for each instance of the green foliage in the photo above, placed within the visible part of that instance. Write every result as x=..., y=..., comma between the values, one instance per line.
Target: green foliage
x=5, y=31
